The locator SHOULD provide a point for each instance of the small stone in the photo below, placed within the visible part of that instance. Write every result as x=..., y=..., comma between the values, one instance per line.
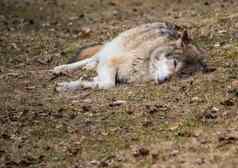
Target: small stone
x=115, y=13
x=14, y=45
x=73, y=18
x=214, y=109
x=222, y=31
x=217, y=44
x=197, y=133
x=174, y=127
x=30, y=87
x=117, y=103
x=87, y=101
x=196, y=99
x=94, y=162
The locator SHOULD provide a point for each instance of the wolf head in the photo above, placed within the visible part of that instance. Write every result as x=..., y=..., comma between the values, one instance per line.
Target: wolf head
x=179, y=57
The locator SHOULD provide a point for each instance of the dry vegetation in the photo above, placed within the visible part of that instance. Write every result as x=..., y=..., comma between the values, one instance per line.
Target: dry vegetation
x=183, y=123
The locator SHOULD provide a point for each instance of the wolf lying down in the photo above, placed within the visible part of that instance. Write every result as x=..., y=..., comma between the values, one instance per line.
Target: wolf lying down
x=155, y=51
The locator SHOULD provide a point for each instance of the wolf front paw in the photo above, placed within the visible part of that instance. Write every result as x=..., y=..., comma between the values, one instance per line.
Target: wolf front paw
x=63, y=87
x=67, y=86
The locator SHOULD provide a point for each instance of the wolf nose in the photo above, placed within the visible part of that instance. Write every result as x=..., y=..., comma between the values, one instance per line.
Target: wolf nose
x=160, y=81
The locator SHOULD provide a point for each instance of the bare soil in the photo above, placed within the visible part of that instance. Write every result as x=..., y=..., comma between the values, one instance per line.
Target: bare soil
x=183, y=123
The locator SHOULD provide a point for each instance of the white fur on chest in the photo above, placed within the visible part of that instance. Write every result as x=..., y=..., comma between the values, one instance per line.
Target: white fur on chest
x=109, y=50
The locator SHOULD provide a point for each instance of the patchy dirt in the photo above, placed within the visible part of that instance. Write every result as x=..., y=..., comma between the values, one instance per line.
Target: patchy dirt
x=182, y=123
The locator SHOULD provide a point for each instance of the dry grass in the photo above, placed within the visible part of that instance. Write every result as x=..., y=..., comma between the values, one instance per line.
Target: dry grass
x=182, y=123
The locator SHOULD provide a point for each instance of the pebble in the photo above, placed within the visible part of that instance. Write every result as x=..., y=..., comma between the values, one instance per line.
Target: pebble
x=87, y=101
x=217, y=44
x=118, y=103
x=214, y=109
x=196, y=99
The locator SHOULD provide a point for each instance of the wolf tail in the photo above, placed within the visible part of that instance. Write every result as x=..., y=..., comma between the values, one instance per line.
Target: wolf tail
x=85, y=52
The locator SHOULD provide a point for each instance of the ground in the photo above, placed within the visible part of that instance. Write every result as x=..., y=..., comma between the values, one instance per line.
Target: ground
x=183, y=123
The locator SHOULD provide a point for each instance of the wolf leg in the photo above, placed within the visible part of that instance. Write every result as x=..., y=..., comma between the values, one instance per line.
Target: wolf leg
x=75, y=85
x=106, y=76
x=104, y=80
x=74, y=66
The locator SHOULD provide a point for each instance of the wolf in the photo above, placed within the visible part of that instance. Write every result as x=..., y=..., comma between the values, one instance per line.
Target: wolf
x=153, y=51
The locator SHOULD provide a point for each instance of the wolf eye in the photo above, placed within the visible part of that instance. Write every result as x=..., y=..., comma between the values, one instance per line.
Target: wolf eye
x=169, y=55
x=175, y=62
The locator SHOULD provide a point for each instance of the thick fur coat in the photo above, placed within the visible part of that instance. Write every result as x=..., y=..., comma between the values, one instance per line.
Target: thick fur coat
x=154, y=51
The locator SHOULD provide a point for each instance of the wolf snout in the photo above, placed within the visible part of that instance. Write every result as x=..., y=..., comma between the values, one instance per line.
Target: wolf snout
x=162, y=80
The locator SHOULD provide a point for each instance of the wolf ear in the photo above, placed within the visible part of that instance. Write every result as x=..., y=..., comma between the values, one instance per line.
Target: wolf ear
x=184, y=39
